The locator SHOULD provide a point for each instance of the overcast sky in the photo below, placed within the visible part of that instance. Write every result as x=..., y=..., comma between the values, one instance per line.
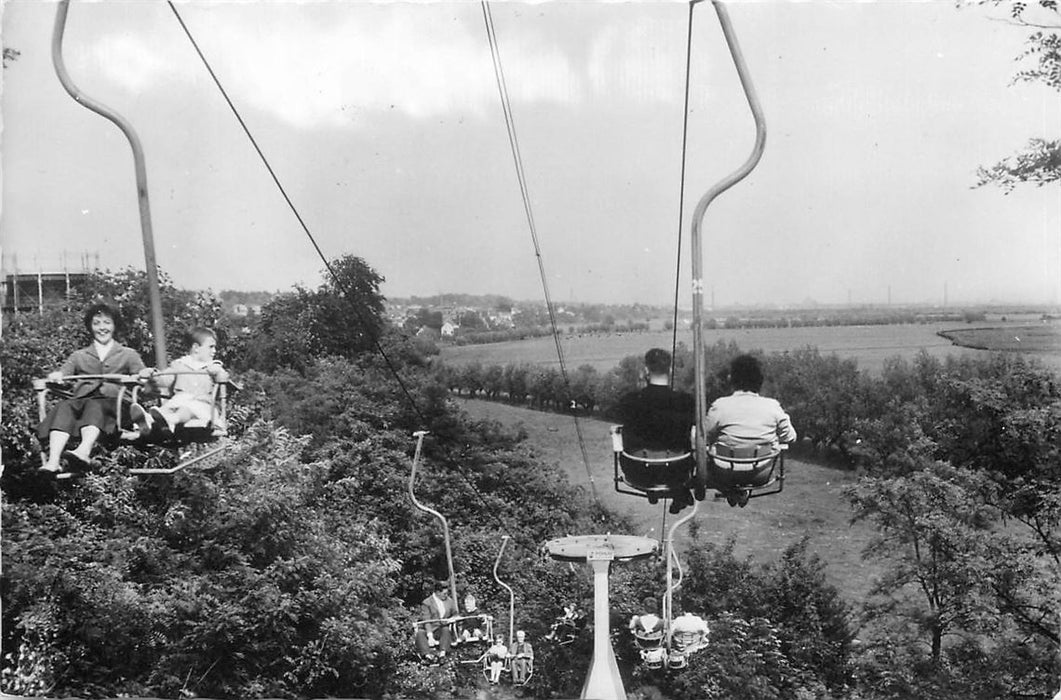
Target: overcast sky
x=383, y=122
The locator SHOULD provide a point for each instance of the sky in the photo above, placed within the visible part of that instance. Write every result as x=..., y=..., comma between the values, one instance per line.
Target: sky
x=383, y=123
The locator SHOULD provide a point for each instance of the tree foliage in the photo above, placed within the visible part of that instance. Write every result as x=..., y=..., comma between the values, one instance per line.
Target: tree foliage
x=342, y=318
x=1040, y=161
x=294, y=567
x=963, y=483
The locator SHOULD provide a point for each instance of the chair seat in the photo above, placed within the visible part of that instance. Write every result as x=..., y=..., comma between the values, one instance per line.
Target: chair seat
x=749, y=466
x=660, y=472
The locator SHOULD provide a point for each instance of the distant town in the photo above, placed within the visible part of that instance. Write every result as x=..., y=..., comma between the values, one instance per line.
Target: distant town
x=470, y=319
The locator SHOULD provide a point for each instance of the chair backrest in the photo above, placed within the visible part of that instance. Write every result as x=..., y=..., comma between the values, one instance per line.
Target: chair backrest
x=744, y=453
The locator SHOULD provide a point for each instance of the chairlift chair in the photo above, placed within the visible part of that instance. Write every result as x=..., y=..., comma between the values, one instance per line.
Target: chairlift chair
x=506, y=669
x=50, y=391
x=510, y=663
x=454, y=625
x=651, y=474
x=650, y=647
x=196, y=440
x=755, y=470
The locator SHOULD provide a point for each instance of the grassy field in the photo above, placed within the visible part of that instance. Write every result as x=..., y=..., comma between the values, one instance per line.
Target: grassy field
x=811, y=504
x=1042, y=338
x=869, y=345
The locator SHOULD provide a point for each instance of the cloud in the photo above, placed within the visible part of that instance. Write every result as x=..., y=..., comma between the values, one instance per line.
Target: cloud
x=130, y=61
x=638, y=61
x=338, y=65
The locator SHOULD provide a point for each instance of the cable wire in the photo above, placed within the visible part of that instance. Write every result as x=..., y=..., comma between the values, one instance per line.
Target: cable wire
x=320, y=253
x=510, y=126
x=450, y=462
x=681, y=190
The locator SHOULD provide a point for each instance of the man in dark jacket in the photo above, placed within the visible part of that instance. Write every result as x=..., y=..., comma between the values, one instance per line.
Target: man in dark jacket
x=658, y=419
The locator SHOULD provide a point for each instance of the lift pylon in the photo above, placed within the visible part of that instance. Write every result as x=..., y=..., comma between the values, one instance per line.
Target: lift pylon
x=603, y=681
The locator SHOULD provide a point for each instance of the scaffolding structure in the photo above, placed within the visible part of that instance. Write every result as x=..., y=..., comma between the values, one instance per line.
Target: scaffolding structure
x=36, y=287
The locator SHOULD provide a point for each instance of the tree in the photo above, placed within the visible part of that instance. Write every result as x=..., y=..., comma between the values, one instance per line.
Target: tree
x=1040, y=161
x=343, y=318
x=935, y=529
x=349, y=313
x=471, y=320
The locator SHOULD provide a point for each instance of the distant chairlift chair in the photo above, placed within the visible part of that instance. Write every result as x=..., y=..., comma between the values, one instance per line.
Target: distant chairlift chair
x=483, y=623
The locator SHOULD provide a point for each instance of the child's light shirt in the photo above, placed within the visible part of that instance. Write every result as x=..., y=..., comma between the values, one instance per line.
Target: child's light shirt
x=197, y=384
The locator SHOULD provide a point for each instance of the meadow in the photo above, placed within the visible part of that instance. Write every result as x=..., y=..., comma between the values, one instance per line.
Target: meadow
x=1038, y=339
x=869, y=345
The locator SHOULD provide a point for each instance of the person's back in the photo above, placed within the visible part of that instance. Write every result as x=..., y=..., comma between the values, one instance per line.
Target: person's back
x=689, y=632
x=657, y=418
x=744, y=418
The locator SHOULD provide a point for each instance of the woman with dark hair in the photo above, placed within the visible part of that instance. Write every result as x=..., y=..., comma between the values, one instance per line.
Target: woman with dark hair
x=744, y=418
x=91, y=410
x=745, y=425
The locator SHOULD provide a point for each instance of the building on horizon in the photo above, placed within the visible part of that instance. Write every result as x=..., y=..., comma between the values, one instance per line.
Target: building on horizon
x=38, y=286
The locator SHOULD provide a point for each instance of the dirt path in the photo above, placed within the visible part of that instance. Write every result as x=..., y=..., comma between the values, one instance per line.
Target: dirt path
x=811, y=505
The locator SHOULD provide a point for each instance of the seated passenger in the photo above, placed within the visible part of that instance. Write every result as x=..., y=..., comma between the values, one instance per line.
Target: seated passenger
x=648, y=627
x=495, y=658
x=92, y=410
x=657, y=420
x=743, y=421
x=566, y=628
x=471, y=628
x=192, y=380
x=688, y=634
x=522, y=656
x=437, y=610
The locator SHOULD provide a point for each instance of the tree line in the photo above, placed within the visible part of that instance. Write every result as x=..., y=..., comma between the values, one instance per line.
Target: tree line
x=960, y=464
x=294, y=567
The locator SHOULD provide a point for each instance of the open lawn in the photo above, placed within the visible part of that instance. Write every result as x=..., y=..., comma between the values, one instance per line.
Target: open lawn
x=811, y=504
x=1040, y=338
x=869, y=345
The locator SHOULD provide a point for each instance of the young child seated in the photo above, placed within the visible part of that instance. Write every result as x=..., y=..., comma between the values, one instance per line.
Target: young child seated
x=191, y=379
x=495, y=658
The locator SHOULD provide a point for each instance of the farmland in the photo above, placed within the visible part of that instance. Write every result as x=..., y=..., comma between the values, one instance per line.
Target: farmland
x=870, y=345
x=1039, y=339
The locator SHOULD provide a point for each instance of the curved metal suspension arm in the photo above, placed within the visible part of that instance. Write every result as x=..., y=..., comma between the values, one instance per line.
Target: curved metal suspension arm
x=141, y=177
x=511, y=594
x=419, y=434
x=697, y=238
x=672, y=559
